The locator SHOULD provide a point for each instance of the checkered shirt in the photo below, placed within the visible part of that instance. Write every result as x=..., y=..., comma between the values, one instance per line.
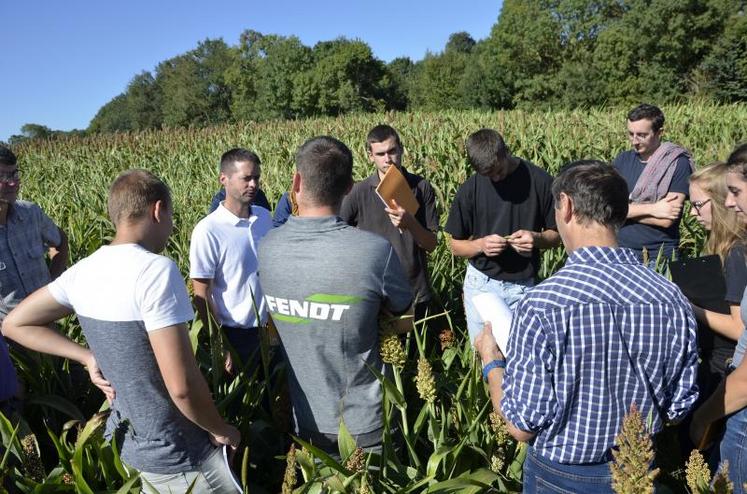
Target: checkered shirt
x=603, y=333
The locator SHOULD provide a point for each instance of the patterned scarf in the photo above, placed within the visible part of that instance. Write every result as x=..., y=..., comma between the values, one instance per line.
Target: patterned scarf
x=654, y=182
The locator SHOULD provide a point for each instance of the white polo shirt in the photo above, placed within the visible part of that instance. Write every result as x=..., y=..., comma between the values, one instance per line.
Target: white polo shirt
x=224, y=249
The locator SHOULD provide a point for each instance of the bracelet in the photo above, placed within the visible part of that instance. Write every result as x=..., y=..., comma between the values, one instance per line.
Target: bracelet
x=495, y=364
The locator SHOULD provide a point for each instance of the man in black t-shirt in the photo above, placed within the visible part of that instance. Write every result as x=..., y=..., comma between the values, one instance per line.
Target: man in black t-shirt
x=411, y=236
x=500, y=219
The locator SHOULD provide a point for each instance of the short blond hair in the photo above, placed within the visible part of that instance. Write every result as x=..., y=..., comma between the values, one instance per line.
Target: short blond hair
x=133, y=192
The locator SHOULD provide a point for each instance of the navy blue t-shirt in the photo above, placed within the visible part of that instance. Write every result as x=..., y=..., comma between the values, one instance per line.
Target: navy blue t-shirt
x=635, y=235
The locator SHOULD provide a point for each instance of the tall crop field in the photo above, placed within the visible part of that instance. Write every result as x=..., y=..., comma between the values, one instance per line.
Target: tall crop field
x=443, y=439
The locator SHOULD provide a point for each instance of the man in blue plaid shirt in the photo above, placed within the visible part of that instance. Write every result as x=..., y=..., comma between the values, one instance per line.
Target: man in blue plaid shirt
x=600, y=335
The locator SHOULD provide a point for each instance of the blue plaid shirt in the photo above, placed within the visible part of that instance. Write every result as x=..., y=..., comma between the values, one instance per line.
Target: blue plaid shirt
x=601, y=334
x=24, y=241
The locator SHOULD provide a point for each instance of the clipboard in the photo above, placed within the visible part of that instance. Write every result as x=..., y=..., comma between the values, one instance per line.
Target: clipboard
x=701, y=280
x=394, y=186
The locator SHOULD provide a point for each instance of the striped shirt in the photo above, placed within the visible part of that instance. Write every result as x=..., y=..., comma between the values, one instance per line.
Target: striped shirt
x=603, y=333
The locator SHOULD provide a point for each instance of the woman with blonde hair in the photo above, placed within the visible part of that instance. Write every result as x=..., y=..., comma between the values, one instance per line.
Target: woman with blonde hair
x=730, y=398
x=725, y=238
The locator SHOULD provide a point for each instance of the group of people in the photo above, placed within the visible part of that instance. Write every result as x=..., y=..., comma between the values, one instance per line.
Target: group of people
x=601, y=334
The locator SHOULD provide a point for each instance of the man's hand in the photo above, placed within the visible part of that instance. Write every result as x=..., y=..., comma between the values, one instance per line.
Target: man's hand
x=492, y=245
x=228, y=362
x=667, y=208
x=522, y=241
x=486, y=346
x=399, y=217
x=230, y=437
x=97, y=378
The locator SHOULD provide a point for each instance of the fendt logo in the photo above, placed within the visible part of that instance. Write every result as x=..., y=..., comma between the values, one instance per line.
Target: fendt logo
x=319, y=306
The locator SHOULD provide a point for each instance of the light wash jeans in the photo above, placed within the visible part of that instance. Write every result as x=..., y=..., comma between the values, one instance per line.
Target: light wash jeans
x=734, y=448
x=212, y=477
x=475, y=283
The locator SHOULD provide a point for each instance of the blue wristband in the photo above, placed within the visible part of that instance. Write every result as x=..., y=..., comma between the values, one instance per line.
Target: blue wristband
x=495, y=364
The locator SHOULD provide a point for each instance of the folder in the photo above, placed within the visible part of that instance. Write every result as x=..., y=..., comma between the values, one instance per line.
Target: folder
x=394, y=186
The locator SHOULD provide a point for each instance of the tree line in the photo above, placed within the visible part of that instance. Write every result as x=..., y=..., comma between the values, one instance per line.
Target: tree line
x=540, y=54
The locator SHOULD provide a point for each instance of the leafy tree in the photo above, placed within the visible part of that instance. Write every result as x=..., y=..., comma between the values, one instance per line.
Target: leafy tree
x=525, y=50
x=144, y=102
x=194, y=87
x=36, y=131
x=437, y=84
x=112, y=117
x=726, y=65
x=345, y=77
x=263, y=75
x=460, y=42
x=401, y=71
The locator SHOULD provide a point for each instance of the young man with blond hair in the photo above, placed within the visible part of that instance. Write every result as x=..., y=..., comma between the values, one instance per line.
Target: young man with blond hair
x=133, y=307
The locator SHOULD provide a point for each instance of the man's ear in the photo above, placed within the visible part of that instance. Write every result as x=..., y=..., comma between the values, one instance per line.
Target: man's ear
x=158, y=209
x=566, y=207
x=296, y=183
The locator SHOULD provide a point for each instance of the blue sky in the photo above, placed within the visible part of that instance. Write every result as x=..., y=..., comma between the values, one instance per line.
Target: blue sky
x=62, y=60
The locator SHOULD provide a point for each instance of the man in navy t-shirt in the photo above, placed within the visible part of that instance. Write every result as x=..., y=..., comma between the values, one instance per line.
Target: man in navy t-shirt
x=653, y=223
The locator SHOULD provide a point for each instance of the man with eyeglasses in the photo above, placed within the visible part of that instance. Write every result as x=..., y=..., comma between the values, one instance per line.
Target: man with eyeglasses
x=657, y=175
x=26, y=235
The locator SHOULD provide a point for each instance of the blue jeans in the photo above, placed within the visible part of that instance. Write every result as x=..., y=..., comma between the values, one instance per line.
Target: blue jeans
x=734, y=448
x=542, y=475
x=475, y=283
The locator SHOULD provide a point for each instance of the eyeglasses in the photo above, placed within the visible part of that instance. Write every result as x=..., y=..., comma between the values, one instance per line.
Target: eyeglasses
x=639, y=136
x=699, y=204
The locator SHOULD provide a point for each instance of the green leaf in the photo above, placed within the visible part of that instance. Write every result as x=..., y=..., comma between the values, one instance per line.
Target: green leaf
x=323, y=457
x=81, y=485
x=345, y=442
x=390, y=389
x=420, y=421
x=416, y=487
x=448, y=357
x=194, y=333
x=436, y=458
x=125, y=489
x=62, y=453
x=91, y=427
x=60, y=404
x=516, y=468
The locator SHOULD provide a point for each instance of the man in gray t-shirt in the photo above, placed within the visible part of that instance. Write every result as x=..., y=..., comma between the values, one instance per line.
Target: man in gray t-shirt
x=133, y=308
x=325, y=294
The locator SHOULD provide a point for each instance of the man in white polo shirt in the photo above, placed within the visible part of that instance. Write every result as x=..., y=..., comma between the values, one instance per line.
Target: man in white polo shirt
x=223, y=257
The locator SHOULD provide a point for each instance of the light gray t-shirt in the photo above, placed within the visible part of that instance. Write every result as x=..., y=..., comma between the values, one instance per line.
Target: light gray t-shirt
x=120, y=293
x=324, y=284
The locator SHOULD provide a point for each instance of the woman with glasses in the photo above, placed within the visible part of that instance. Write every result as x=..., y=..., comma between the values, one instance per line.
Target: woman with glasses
x=725, y=238
x=730, y=398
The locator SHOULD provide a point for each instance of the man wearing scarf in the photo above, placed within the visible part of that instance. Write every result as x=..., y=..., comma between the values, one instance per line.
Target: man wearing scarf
x=657, y=174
